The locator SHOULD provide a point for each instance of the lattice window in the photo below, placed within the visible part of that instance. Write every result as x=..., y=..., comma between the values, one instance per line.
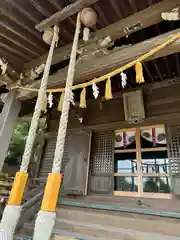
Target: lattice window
x=174, y=148
x=102, y=152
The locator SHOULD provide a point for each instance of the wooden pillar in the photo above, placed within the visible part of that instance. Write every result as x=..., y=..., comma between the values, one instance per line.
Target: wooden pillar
x=138, y=159
x=8, y=118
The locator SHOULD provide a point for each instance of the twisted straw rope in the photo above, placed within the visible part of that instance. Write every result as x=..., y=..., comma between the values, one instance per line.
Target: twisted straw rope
x=38, y=107
x=169, y=40
x=58, y=155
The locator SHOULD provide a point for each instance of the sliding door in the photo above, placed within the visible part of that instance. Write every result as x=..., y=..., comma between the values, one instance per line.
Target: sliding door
x=141, y=162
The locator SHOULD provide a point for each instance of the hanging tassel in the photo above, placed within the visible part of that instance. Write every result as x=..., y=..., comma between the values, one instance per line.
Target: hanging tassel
x=108, y=91
x=44, y=106
x=83, y=99
x=139, y=73
x=61, y=100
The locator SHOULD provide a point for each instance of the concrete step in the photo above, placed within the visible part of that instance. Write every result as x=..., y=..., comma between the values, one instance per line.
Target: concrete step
x=78, y=230
x=108, y=219
x=107, y=233
x=59, y=234
x=156, y=205
x=89, y=224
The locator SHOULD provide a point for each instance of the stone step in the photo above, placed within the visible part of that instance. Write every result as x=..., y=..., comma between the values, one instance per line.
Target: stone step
x=61, y=233
x=78, y=230
x=107, y=233
x=158, y=205
x=89, y=224
x=134, y=222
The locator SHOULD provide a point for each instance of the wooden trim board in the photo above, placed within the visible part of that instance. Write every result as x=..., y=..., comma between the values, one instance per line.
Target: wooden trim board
x=145, y=195
x=97, y=66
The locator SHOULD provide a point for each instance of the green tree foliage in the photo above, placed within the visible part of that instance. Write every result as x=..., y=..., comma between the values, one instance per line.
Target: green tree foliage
x=18, y=140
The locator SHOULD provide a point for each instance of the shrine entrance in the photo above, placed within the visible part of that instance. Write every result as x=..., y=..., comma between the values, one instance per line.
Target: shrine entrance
x=141, y=165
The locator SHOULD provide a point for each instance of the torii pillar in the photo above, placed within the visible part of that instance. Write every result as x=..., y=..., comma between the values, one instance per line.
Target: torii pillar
x=8, y=118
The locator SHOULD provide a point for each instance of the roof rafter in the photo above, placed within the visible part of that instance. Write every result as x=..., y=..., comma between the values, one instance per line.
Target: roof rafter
x=147, y=17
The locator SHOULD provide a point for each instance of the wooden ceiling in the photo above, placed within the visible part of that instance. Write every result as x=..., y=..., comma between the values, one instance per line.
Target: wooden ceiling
x=20, y=42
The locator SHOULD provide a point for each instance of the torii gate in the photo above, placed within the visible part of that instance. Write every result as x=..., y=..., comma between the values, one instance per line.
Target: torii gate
x=47, y=215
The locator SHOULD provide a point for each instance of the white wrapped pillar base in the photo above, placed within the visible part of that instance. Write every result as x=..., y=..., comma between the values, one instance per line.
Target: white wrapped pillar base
x=9, y=221
x=44, y=225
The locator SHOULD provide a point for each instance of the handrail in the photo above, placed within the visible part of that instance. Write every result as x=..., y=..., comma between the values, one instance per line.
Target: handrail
x=31, y=202
x=30, y=208
x=30, y=194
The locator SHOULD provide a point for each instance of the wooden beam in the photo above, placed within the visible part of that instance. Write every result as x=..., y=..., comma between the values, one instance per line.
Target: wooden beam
x=147, y=17
x=163, y=119
x=65, y=13
x=96, y=66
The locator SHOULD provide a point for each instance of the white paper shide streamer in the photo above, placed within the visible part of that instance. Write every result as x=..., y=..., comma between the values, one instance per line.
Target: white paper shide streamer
x=3, y=97
x=50, y=100
x=95, y=90
x=86, y=34
x=123, y=79
x=72, y=99
x=171, y=16
x=80, y=119
x=3, y=66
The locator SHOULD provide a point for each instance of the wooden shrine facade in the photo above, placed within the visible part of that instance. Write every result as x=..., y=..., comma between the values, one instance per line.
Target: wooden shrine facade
x=104, y=76
x=95, y=139
x=133, y=29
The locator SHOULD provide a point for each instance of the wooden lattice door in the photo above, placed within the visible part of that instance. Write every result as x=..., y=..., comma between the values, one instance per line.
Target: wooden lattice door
x=75, y=161
x=101, y=177
x=173, y=136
